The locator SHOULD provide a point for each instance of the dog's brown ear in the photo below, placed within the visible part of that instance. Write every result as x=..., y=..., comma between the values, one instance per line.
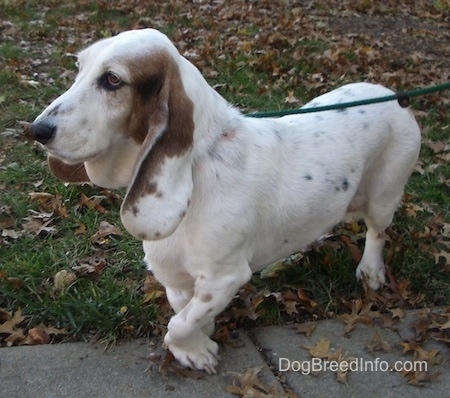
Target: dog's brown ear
x=161, y=186
x=67, y=172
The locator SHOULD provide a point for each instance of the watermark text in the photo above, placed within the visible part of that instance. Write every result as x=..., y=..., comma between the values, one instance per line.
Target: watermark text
x=315, y=365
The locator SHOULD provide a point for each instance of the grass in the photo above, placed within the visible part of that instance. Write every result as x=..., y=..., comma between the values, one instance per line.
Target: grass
x=31, y=262
x=109, y=304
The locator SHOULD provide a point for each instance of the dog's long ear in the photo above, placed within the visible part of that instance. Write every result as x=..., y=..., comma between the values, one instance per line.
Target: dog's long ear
x=67, y=172
x=161, y=186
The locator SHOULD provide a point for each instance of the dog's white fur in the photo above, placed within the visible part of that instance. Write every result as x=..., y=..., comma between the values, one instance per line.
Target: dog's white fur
x=215, y=195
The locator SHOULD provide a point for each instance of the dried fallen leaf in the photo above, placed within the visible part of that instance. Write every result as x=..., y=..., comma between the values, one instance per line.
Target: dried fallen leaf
x=92, y=266
x=410, y=345
x=303, y=297
x=152, y=289
x=272, y=270
x=445, y=325
x=250, y=299
x=397, y=313
x=37, y=336
x=291, y=99
x=248, y=385
x=307, y=328
x=12, y=323
x=167, y=365
x=378, y=344
x=10, y=328
x=50, y=203
x=10, y=233
x=418, y=378
x=81, y=230
x=441, y=255
x=353, y=249
x=106, y=229
x=412, y=210
x=430, y=356
x=93, y=202
x=360, y=314
x=39, y=222
x=290, y=307
x=320, y=350
x=62, y=280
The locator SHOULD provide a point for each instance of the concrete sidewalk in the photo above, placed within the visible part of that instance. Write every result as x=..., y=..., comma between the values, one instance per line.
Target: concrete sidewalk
x=83, y=370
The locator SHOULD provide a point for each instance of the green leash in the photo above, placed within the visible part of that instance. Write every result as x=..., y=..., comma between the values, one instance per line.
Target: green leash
x=403, y=98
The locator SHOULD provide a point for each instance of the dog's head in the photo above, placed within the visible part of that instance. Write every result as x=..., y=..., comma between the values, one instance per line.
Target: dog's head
x=127, y=121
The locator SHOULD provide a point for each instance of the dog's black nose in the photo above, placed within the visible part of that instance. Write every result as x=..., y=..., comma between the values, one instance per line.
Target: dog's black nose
x=42, y=131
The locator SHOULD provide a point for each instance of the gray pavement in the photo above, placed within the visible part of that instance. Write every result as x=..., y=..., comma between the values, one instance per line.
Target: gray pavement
x=85, y=370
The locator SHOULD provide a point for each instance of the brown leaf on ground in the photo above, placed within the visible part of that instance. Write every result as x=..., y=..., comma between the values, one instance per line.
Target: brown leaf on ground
x=91, y=266
x=152, y=289
x=106, y=229
x=360, y=314
x=36, y=336
x=248, y=384
x=167, y=365
x=304, y=299
x=81, y=230
x=397, y=313
x=306, y=328
x=409, y=345
x=418, y=378
x=39, y=223
x=378, y=344
x=321, y=349
x=50, y=203
x=10, y=329
x=424, y=320
x=246, y=305
x=93, y=202
x=341, y=376
x=62, y=279
x=12, y=322
x=430, y=356
x=353, y=249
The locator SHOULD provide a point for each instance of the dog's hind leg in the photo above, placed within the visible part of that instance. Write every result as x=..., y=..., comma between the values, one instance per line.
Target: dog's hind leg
x=382, y=194
x=372, y=267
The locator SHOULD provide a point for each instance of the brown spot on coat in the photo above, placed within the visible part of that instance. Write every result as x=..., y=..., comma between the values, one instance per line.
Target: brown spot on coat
x=206, y=298
x=151, y=188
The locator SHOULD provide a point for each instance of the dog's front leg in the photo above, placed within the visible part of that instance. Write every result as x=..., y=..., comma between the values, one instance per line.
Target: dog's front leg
x=186, y=337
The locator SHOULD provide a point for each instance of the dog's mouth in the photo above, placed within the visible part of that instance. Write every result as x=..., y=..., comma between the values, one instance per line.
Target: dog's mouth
x=70, y=157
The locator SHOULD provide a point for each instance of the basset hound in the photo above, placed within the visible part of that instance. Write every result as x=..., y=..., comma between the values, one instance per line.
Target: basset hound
x=215, y=195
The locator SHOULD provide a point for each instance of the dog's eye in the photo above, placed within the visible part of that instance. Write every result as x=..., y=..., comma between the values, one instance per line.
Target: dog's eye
x=114, y=80
x=110, y=81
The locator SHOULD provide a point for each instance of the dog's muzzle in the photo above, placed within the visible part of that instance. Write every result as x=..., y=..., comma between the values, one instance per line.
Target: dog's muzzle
x=42, y=131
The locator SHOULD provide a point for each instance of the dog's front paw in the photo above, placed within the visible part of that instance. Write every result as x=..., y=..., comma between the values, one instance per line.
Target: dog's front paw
x=200, y=352
x=373, y=276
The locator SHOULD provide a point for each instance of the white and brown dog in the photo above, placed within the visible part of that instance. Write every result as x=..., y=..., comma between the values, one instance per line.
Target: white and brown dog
x=216, y=195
